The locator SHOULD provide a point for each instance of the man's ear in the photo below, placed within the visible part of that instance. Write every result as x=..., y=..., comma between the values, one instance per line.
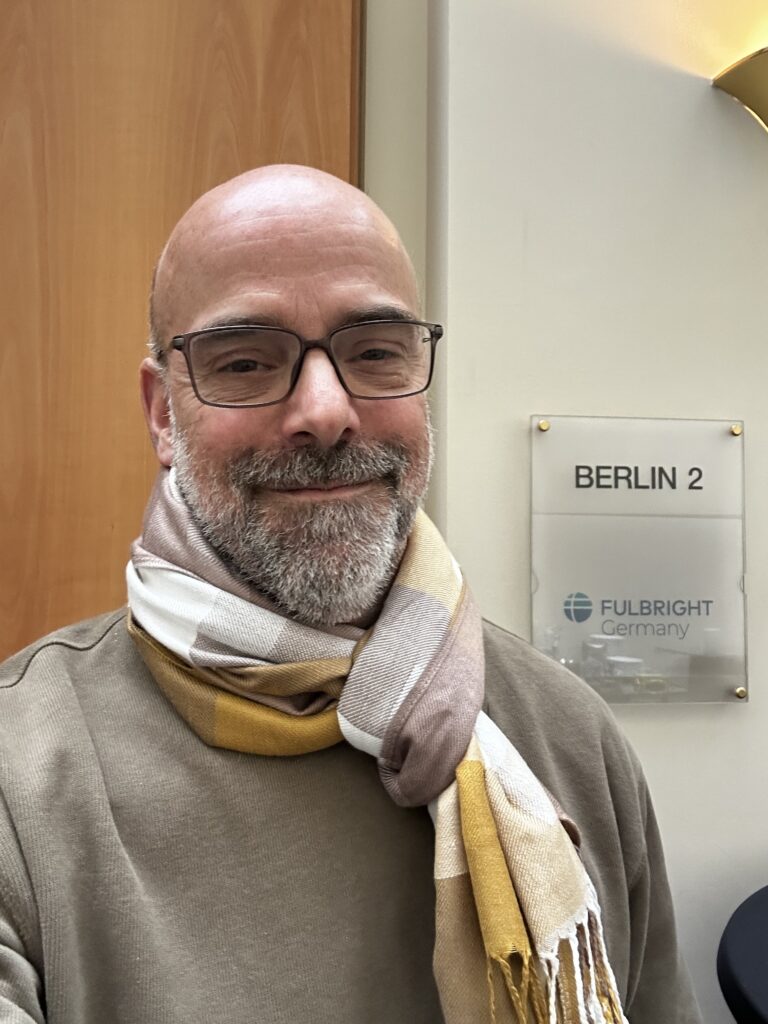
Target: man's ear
x=155, y=402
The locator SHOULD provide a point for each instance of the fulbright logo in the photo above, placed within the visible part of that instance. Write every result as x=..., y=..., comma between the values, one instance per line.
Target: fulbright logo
x=577, y=607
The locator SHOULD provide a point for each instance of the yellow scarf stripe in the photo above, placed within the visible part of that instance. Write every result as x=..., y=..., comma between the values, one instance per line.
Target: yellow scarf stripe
x=508, y=948
x=498, y=910
x=258, y=729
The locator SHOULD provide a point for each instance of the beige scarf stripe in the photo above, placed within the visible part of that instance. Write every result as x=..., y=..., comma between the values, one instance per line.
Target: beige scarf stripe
x=518, y=933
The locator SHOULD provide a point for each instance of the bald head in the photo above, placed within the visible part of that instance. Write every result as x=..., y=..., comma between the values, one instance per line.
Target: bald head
x=263, y=222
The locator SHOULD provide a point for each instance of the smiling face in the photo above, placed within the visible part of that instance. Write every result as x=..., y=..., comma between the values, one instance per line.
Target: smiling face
x=310, y=499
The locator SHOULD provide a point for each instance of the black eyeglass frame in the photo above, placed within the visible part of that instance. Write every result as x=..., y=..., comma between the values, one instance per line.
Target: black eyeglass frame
x=182, y=343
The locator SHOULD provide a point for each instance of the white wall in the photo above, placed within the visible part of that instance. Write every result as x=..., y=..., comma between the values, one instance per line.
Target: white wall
x=596, y=241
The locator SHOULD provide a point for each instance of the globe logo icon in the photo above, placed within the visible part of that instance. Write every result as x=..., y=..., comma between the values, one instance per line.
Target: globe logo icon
x=577, y=607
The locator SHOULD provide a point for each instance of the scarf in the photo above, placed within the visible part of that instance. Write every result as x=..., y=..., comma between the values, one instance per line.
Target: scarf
x=518, y=930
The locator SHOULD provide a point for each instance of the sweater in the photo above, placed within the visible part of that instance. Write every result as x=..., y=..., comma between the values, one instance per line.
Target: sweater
x=146, y=878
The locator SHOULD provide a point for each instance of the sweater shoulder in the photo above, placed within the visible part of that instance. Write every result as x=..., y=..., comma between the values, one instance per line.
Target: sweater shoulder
x=68, y=646
x=517, y=674
x=545, y=709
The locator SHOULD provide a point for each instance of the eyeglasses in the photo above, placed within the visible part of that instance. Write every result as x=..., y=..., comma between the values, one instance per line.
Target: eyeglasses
x=248, y=366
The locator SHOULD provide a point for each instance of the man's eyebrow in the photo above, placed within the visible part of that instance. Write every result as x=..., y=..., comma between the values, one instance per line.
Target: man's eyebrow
x=381, y=312
x=243, y=320
x=356, y=316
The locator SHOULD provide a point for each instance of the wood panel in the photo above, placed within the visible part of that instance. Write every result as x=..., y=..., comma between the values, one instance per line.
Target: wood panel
x=114, y=116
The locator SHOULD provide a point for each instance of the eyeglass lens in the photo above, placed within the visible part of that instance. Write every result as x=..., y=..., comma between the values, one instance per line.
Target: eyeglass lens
x=254, y=366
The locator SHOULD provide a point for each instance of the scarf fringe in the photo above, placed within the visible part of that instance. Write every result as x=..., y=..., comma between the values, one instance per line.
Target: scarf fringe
x=575, y=987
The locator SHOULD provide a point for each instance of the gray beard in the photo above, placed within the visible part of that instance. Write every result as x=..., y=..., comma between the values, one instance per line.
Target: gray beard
x=324, y=562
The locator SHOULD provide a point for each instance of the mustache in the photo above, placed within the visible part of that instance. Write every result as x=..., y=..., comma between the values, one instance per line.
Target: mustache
x=345, y=463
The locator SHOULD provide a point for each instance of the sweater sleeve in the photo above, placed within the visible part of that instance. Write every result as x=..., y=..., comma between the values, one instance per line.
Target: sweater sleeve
x=21, y=991
x=659, y=987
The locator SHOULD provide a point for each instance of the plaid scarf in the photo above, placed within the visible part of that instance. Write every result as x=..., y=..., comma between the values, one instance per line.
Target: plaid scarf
x=518, y=931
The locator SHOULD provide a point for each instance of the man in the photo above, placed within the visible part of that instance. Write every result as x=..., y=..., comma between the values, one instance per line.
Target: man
x=214, y=808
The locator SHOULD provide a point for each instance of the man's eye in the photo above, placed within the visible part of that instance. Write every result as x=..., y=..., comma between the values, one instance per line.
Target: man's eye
x=242, y=366
x=375, y=354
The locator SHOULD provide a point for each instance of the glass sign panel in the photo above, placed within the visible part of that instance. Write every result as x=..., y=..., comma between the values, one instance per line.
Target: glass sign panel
x=638, y=555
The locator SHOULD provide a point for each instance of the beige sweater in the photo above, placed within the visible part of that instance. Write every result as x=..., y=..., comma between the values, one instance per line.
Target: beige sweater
x=146, y=878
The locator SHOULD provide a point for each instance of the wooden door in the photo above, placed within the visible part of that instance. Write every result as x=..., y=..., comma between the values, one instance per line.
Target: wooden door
x=114, y=116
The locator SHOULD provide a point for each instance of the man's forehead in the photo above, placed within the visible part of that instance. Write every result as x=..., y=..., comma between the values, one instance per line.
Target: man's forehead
x=267, y=233
x=314, y=251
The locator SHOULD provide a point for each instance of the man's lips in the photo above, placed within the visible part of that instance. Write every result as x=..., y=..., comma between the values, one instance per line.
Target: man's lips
x=320, y=492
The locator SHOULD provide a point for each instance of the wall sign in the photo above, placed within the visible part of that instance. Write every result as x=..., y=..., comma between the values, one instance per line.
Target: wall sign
x=638, y=555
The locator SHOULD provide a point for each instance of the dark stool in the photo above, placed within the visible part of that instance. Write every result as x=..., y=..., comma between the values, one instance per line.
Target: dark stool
x=742, y=960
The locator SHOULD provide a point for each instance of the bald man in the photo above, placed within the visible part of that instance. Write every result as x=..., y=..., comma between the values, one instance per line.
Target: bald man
x=299, y=779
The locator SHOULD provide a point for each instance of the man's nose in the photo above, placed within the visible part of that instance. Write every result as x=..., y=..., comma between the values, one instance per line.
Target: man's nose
x=319, y=410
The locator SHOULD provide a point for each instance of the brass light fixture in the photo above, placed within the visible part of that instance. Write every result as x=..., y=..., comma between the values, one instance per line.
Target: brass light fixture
x=747, y=81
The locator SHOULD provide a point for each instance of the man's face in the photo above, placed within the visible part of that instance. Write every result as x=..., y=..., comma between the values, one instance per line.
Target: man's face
x=310, y=499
